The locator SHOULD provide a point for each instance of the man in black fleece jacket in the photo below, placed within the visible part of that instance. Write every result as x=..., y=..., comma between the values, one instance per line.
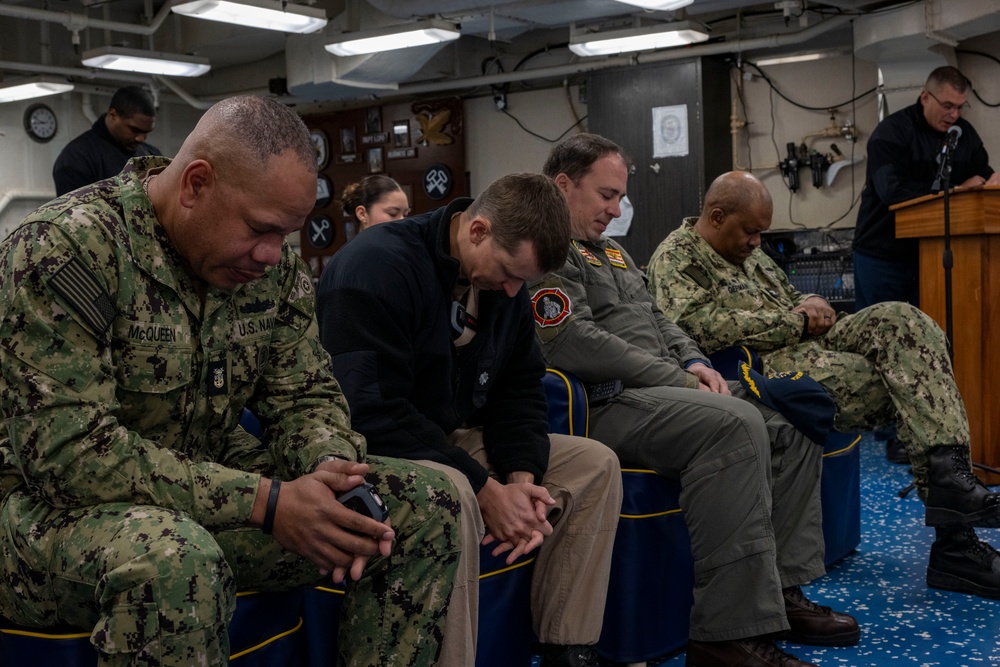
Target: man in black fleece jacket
x=431, y=332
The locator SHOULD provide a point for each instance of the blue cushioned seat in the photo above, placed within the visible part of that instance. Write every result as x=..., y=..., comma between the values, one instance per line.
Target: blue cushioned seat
x=266, y=631
x=651, y=586
x=505, y=633
x=840, y=488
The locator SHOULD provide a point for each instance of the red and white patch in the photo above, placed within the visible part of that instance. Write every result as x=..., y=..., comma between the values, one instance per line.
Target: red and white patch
x=551, y=306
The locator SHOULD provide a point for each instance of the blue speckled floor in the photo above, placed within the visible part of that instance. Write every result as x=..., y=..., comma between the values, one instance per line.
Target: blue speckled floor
x=882, y=584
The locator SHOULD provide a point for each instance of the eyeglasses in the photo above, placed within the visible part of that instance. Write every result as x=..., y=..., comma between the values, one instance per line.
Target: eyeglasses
x=948, y=106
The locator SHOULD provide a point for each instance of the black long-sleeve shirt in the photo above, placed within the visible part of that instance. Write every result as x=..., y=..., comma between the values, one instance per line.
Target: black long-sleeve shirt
x=384, y=309
x=902, y=164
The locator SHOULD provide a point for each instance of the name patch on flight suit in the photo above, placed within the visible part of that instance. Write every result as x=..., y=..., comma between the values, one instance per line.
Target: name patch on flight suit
x=615, y=257
x=587, y=255
x=218, y=382
x=551, y=306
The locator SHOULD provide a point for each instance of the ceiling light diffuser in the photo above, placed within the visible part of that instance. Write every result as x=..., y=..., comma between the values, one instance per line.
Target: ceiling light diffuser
x=267, y=14
x=636, y=39
x=419, y=33
x=33, y=86
x=146, y=62
x=662, y=5
x=801, y=58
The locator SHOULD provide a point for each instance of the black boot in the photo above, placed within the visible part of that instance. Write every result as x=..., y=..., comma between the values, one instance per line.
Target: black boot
x=955, y=496
x=962, y=563
x=576, y=655
x=895, y=451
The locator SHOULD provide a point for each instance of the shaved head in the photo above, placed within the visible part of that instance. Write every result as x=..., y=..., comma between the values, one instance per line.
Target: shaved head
x=737, y=209
x=242, y=133
x=736, y=190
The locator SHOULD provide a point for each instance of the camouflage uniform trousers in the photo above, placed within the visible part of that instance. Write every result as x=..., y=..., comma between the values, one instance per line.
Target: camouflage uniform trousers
x=886, y=364
x=159, y=589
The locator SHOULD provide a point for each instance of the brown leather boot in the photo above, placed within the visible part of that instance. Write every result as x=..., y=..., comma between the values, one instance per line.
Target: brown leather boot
x=816, y=625
x=749, y=652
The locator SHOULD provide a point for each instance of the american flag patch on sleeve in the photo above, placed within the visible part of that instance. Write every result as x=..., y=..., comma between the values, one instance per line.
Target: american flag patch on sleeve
x=79, y=288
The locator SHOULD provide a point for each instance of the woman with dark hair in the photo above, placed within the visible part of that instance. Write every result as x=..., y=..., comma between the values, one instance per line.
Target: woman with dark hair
x=374, y=200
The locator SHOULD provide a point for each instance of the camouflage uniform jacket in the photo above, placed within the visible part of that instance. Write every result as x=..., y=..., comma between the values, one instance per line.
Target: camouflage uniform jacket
x=596, y=319
x=118, y=385
x=721, y=304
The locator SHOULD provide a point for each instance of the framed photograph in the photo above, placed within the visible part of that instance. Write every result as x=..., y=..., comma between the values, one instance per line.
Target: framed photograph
x=348, y=141
x=401, y=133
x=375, y=160
x=373, y=120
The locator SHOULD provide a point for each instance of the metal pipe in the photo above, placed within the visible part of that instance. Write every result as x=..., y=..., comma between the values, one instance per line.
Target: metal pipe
x=77, y=22
x=580, y=67
x=183, y=94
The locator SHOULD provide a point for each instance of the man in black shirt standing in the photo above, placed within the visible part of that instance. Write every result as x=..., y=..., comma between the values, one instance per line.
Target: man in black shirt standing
x=903, y=159
x=103, y=150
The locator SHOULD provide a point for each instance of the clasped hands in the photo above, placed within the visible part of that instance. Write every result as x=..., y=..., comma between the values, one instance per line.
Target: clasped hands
x=515, y=514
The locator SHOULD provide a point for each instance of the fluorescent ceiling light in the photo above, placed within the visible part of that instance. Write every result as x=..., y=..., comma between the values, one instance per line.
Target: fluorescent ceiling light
x=266, y=14
x=419, y=33
x=147, y=62
x=32, y=86
x=636, y=39
x=801, y=58
x=663, y=5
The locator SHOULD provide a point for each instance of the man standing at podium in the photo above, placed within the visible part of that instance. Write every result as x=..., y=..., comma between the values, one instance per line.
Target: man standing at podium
x=885, y=364
x=903, y=158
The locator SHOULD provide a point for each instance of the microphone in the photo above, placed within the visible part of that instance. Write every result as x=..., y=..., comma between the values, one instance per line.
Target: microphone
x=944, y=157
x=954, y=132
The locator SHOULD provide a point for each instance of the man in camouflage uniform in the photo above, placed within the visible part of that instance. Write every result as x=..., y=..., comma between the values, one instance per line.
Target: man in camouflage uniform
x=135, y=328
x=886, y=363
x=749, y=480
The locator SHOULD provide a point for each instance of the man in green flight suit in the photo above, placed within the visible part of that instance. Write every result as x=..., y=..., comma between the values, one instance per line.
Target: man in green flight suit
x=138, y=317
x=749, y=479
x=887, y=363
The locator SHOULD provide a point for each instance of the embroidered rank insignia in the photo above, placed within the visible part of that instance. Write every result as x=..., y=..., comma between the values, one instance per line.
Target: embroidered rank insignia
x=551, y=306
x=587, y=255
x=217, y=381
x=615, y=257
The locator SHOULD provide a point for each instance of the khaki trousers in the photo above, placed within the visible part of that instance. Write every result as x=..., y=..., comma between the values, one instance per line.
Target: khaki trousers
x=569, y=585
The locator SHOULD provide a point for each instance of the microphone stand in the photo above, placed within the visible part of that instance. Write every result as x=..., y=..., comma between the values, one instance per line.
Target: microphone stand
x=947, y=260
x=943, y=182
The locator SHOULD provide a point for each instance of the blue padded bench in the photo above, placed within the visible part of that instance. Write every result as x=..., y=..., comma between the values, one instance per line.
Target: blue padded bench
x=652, y=571
x=266, y=630
x=650, y=592
x=840, y=484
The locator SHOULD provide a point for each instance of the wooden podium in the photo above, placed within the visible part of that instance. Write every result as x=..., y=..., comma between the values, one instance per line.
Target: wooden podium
x=975, y=296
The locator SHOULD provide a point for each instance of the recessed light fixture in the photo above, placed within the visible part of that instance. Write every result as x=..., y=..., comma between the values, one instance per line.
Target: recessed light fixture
x=419, y=33
x=266, y=14
x=659, y=36
x=147, y=62
x=32, y=86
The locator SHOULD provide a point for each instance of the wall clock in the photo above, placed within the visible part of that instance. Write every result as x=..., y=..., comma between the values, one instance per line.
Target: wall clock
x=322, y=146
x=40, y=123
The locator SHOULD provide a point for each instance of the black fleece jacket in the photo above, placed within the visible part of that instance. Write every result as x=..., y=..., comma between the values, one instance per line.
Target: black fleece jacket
x=902, y=164
x=384, y=309
x=91, y=157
